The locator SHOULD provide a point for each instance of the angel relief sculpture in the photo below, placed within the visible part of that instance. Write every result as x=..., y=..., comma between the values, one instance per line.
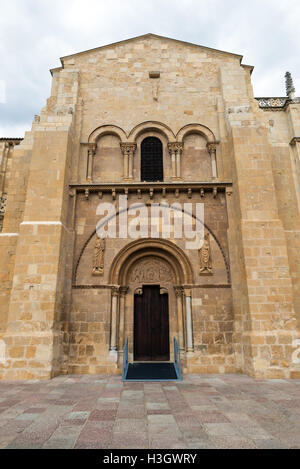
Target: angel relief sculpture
x=205, y=262
x=98, y=260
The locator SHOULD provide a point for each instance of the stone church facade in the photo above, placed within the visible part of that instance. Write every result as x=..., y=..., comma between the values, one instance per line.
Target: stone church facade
x=152, y=119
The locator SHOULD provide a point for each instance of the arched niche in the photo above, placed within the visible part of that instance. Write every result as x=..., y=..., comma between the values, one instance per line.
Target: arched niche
x=196, y=160
x=108, y=159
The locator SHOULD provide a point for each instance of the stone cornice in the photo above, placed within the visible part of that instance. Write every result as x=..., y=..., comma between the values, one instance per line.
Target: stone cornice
x=145, y=187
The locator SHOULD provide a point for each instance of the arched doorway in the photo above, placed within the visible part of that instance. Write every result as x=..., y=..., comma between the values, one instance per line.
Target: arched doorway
x=164, y=267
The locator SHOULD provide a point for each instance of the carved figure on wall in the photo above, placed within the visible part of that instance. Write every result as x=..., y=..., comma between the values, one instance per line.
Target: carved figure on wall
x=98, y=261
x=205, y=260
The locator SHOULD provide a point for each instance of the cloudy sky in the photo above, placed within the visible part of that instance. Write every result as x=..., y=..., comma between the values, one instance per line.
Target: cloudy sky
x=35, y=33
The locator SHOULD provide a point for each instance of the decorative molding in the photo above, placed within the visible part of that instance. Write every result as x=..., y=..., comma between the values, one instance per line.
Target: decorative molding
x=272, y=102
x=138, y=291
x=205, y=261
x=98, y=260
x=139, y=187
x=109, y=287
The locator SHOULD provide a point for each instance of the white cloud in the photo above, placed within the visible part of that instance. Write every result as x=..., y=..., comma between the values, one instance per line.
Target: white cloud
x=34, y=34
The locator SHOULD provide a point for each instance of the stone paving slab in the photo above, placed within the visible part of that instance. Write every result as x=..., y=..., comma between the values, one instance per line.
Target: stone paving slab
x=201, y=412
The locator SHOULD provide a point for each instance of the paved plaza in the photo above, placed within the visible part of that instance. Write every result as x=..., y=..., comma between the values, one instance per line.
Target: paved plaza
x=202, y=411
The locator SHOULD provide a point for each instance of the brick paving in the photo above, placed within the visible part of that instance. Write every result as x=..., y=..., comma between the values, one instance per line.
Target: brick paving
x=202, y=411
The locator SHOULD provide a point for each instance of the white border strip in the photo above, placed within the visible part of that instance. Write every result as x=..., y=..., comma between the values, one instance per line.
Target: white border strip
x=9, y=234
x=41, y=223
x=45, y=223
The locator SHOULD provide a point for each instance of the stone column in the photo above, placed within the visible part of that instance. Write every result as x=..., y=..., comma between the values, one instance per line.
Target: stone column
x=179, y=148
x=179, y=294
x=172, y=151
x=189, y=323
x=212, y=149
x=90, y=162
x=114, y=318
x=128, y=150
x=123, y=291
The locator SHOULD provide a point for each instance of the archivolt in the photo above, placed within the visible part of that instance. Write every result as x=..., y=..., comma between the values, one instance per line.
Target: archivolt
x=107, y=130
x=141, y=248
x=151, y=126
x=195, y=128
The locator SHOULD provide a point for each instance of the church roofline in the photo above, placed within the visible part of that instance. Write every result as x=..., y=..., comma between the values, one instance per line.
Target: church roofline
x=144, y=36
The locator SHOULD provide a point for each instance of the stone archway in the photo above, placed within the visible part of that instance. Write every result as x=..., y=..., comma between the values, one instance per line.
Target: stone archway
x=149, y=262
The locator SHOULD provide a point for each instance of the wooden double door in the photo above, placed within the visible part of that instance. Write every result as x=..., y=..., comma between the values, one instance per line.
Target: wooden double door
x=151, y=325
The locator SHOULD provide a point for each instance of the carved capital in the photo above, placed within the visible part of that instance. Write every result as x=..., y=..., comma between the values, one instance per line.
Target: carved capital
x=211, y=147
x=175, y=147
x=123, y=290
x=188, y=292
x=92, y=147
x=128, y=148
x=138, y=291
x=178, y=291
x=295, y=140
x=115, y=291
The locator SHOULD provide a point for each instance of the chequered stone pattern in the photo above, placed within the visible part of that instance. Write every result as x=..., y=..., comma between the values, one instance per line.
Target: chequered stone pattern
x=99, y=411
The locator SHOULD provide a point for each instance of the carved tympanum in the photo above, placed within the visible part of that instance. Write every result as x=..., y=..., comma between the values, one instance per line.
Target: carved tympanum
x=98, y=260
x=205, y=261
x=150, y=271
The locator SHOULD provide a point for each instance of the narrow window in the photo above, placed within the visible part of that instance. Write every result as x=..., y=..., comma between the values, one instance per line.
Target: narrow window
x=151, y=160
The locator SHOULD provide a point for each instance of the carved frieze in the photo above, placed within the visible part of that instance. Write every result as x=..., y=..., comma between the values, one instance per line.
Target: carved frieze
x=271, y=102
x=205, y=260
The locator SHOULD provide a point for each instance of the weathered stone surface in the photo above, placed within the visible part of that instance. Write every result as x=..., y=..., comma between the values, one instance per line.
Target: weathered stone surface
x=67, y=304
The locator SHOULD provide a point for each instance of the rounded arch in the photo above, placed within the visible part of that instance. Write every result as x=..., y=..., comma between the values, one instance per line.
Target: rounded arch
x=151, y=126
x=195, y=128
x=168, y=246
x=107, y=130
x=160, y=248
